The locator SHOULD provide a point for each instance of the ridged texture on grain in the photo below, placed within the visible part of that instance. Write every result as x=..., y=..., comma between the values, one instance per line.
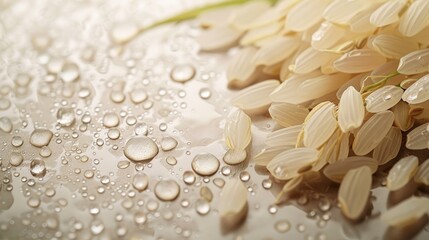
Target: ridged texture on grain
x=276, y=50
x=320, y=125
x=305, y=14
x=240, y=70
x=392, y=46
x=372, y=132
x=354, y=192
x=336, y=171
x=415, y=18
x=418, y=138
x=402, y=118
x=218, y=38
x=286, y=114
x=341, y=11
x=233, y=202
x=310, y=60
x=267, y=154
x=415, y=62
x=255, y=99
x=237, y=130
x=387, y=13
x=389, y=147
x=406, y=212
x=422, y=175
x=327, y=35
x=256, y=34
x=383, y=98
x=418, y=92
x=283, y=137
x=358, y=61
x=402, y=172
x=351, y=110
x=288, y=164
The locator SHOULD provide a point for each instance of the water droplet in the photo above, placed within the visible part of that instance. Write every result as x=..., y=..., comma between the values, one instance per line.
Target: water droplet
x=96, y=227
x=37, y=168
x=6, y=125
x=226, y=170
x=40, y=137
x=202, y=206
x=113, y=133
x=17, y=141
x=140, y=181
x=88, y=174
x=123, y=164
x=206, y=193
x=110, y=119
x=69, y=72
x=272, y=209
x=267, y=183
x=182, y=73
x=185, y=203
x=171, y=160
x=163, y=127
x=15, y=159
x=205, y=164
x=324, y=204
x=140, y=149
x=52, y=222
x=141, y=129
x=140, y=218
x=138, y=96
x=45, y=152
x=117, y=96
x=167, y=190
x=244, y=176
x=205, y=93
x=189, y=177
x=219, y=182
x=282, y=226
x=66, y=116
x=168, y=143
x=33, y=202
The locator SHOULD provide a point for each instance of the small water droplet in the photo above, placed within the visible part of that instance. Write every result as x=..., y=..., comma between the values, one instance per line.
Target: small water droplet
x=202, y=206
x=182, y=73
x=167, y=190
x=282, y=226
x=272, y=209
x=17, y=141
x=244, y=176
x=113, y=133
x=205, y=164
x=37, y=168
x=168, y=143
x=205, y=93
x=189, y=177
x=138, y=95
x=267, y=183
x=66, y=116
x=219, y=182
x=69, y=72
x=15, y=159
x=110, y=119
x=140, y=218
x=33, y=202
x=140, y=181
x=171, y=160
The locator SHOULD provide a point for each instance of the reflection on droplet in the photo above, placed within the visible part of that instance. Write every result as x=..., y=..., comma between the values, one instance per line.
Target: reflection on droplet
x=33, y=202
x=15, y=159
x=168, y=143
x=272, y=209
x=140, y=181
x=182, y=73
x=267, y=183
x=219, y=182
x=189, y=177
x=167, y=190
x=205, y=93
x=140, y=149
x=45, y=152
x=110, y=119
x=40, y=137
x=113, y=133
x=69, y=72
x=17, y=141
x=138, y=96
x=37, y=168
x=96, y=227
x=244, y=176
x=202, y=206
x=123, y=164
x=171, y=160
x=205, y=164
x=140, y=218
x=66, y=116
x=6, y=125
x=282, y=226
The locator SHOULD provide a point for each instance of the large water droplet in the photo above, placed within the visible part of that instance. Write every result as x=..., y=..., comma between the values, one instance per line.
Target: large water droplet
x=40, y=137
x=205, y=164
x=66, y=116
x=167, y=190
x=140, y=149
x=140, y=181
x=182, y=73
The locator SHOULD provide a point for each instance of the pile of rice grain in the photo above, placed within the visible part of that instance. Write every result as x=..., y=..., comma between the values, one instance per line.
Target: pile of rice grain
x=344, y=80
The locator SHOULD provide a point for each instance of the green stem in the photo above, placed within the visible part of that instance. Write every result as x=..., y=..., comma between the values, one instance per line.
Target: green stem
x=192, y=13
x=380, y=83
